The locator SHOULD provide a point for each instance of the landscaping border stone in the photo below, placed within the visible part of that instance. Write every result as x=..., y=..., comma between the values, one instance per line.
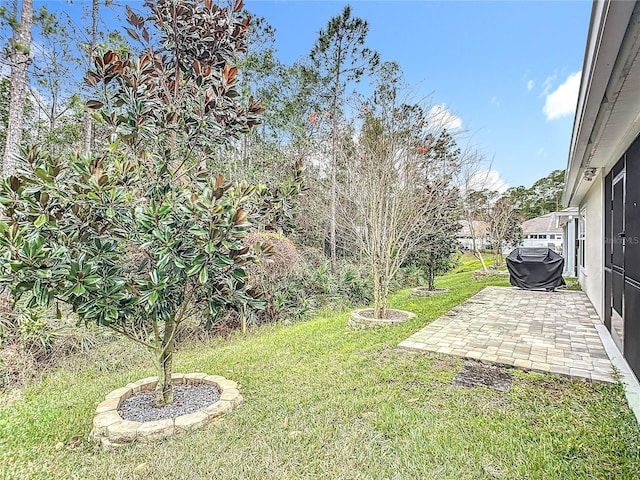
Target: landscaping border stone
x=359, y=321
x=425, y=292
x=490, y=272
x=111, y=431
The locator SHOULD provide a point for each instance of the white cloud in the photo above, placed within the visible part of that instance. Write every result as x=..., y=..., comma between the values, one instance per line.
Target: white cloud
x=548, y=83
x=494, y=101
x=487, y=180
x=442, y=117
x=530, y=85
x=562, y=101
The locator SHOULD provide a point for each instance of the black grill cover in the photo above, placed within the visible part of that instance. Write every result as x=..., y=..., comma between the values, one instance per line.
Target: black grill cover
x=535, y=268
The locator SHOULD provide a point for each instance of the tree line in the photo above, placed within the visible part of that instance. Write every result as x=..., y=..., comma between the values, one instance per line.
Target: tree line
x=132, y=198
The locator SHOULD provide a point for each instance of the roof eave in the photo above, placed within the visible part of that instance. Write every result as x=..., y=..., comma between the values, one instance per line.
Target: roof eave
x=607, y=29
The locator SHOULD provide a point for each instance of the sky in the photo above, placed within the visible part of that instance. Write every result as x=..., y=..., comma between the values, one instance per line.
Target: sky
x=506, y=74
x=507, y=71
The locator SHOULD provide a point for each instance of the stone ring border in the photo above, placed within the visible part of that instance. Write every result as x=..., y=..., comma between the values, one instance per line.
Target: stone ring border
x=358, y=321
x=110, y=430
x=425, y=292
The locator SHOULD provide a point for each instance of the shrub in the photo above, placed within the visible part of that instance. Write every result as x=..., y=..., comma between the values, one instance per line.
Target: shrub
x=295, y=284
x=277, y=280
x=34, y=340
x=284, y=262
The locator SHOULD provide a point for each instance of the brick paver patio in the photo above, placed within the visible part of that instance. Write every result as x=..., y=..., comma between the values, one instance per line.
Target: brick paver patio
x=535, y=330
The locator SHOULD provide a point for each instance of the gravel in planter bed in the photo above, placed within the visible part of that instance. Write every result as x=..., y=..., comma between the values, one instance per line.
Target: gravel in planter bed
x=187, y=398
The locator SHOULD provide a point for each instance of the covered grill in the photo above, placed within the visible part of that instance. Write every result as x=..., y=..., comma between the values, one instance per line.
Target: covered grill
x=531, y=268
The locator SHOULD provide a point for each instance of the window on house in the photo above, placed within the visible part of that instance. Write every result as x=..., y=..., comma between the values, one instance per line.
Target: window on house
x=542, y=236
x=552, y=236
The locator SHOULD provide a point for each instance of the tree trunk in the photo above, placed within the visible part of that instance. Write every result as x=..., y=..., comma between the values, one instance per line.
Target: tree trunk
x=164, y=389
x=334, y=166
x=88, y=121
x=431, y=279
x=479, y=256
x=21, y=44
x=380, y=293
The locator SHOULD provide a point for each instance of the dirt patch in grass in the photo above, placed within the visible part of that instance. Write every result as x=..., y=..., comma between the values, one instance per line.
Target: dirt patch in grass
x=475, y=374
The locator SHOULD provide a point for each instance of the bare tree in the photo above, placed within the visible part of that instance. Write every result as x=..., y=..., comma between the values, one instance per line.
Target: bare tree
x=504, y=227
x=19, y=58
x=471, y=178
x=399, y=184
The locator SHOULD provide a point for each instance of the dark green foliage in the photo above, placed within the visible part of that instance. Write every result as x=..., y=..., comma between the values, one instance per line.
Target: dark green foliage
x=293, y=285
x=69, y=234
x=435, y=255
x=544, y=196
x=176, y=105
x=275, y=205
x=340, y=51
x=351, y=284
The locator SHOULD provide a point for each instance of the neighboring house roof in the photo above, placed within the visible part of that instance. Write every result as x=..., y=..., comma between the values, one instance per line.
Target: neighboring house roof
x=543, y=224
x=607, y=117
x=480, y=228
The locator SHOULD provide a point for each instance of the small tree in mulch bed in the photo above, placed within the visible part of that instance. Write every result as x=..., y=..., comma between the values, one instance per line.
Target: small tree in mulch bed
x=141, y=236
x=435, y=254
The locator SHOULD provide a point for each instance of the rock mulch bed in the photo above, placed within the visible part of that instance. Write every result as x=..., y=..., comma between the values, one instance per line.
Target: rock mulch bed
x=363, y=318
x=187, y=398
x=112, y=430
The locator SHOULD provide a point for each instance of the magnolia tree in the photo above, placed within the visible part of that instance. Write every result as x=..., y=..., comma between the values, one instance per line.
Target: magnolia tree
x=142, y=236
x=398, y=185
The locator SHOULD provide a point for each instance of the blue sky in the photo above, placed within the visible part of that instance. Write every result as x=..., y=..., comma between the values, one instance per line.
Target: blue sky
x=506, y=70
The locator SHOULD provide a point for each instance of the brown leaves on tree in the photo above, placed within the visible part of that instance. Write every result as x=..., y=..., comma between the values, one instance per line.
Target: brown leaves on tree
x=229, y=74
x=180, y=91
x=133, y=18
x=241, y=217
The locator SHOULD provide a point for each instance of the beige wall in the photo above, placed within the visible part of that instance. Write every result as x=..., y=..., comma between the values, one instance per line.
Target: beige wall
x=591, y=277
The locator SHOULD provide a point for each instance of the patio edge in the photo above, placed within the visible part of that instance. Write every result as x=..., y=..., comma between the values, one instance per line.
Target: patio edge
x=627, y=378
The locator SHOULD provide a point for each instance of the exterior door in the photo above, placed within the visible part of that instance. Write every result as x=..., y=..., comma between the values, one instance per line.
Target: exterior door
x=617, y=251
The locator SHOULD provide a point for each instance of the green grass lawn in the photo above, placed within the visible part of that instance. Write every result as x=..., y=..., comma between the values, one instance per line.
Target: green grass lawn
x=325, y=402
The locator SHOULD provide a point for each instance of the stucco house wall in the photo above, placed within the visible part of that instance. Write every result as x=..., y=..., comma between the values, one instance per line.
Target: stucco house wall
x=590, y=274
